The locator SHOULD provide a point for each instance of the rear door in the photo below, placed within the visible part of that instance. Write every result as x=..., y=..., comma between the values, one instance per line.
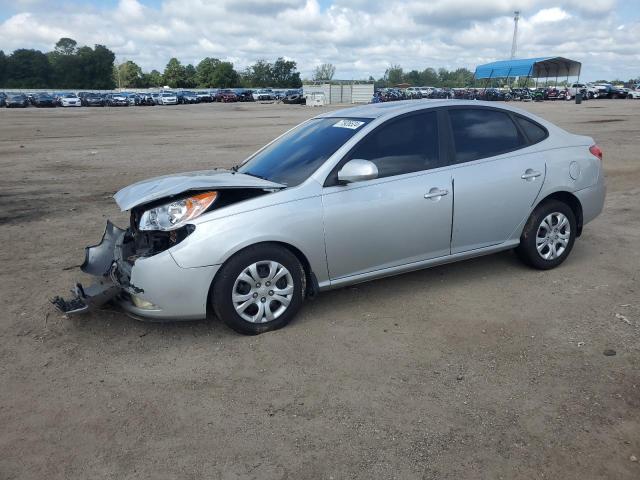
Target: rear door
x=496, y=179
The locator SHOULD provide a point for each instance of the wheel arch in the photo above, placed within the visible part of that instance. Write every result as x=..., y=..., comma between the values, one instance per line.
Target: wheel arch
x=572, y=201
x=312, y=287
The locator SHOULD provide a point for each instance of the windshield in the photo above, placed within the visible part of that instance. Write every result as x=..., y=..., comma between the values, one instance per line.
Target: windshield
x=291, y=159
x=168, y=95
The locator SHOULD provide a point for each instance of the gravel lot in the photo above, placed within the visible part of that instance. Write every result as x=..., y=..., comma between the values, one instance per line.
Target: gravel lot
x=481, y=369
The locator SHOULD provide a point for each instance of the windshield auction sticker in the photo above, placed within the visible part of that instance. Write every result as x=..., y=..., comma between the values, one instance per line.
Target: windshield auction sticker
x=350, y=124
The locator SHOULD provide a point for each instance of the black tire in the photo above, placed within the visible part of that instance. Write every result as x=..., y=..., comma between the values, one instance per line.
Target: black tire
x=527, y=250
x=225, y=280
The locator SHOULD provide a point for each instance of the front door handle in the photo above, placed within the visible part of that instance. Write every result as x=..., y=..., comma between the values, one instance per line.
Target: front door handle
x=436, y=193
x=530, y=174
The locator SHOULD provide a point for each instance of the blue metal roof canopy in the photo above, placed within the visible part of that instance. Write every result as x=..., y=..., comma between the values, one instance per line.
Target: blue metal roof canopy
x=529, y=67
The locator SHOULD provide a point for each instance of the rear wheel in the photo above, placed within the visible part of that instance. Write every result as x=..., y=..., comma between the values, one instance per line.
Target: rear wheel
x=259, y=289
x=548, y=236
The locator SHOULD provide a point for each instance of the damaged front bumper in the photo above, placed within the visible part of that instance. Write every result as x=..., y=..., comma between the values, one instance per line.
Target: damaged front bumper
x=153, y=287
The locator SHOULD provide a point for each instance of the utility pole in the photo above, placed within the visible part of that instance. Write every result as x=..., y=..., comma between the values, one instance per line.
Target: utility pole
x=514, y=44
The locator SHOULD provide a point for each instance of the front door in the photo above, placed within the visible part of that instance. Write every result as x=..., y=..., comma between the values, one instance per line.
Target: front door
x=404, y=215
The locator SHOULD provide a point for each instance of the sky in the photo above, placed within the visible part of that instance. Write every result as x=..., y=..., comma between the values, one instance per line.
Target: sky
x=360, y=37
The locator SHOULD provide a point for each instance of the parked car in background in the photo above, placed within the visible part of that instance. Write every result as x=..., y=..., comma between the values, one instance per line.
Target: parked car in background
x=263, y=94
x=588, y=90
x=69, y=100
x=44, y=100
x=146, y=99
x=633, y=94
x=606, y=90
x=3, y=99
x=187, y=97
x=132, y=98
x=295, y=99
x=117, y=100
x=168, y=98
x=244, y=95
x=17, y=100
x=413, y=92
x=89, y=99
x=366, y=192
x=225, y=95
x=204, y=97
x=426, y=91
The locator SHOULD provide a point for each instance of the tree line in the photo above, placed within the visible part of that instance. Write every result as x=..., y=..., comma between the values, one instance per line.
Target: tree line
x=396, y=75
x=210, y=72
x=67, y=66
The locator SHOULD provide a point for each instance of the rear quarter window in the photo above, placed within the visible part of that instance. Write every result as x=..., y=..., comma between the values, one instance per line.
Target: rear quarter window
x=534, y=132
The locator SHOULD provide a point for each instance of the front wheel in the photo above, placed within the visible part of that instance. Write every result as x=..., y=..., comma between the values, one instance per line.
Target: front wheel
x=548, y=236
x=259, y=289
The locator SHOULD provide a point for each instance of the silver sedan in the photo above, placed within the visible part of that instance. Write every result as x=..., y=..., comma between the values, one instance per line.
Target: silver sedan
x=346, y=197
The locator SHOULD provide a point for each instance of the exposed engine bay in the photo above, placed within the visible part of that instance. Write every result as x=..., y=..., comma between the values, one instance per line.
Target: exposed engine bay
x=113, y=259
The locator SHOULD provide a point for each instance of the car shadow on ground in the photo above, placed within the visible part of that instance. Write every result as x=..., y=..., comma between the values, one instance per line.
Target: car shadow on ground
x=112, y=320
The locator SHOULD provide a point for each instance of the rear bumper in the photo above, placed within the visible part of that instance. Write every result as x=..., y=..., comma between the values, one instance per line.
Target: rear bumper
x=153, y=288
x=592, y=199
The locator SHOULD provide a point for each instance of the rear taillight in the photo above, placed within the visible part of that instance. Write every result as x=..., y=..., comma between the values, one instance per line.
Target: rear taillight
x=596, y=151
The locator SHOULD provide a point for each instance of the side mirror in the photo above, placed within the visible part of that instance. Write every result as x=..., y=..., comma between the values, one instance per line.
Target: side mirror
x=357, y=170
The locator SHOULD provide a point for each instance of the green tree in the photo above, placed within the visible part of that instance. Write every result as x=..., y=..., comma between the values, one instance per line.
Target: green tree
x=151, y=79
x=284, y=74
x=204, y=72
x=66, y=46
x=130, y=75
x=190, y=79
x=393, y=75
x=259, y=74
x=155, y=78
x=225, y=76
x=101, y=68
x=429, y=78
x=174, y=73
x=412, y=78
x=325, y=71
x=63, y=60
x=3, y=68
x=28, y=69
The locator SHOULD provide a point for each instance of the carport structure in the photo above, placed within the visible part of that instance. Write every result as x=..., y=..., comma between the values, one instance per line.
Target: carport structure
x=540, y=67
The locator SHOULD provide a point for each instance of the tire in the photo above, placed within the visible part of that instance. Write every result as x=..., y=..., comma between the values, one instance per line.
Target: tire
x=230, y=280
x=555, y=245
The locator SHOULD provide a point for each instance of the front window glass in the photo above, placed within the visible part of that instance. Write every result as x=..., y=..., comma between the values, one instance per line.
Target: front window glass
x=404, y=145
x=293, y=158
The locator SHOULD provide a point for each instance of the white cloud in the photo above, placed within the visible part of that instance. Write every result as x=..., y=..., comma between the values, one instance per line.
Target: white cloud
x=360, y=37
x=550, y=15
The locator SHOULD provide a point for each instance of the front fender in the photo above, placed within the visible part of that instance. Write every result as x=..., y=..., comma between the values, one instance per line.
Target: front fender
x=298, y=223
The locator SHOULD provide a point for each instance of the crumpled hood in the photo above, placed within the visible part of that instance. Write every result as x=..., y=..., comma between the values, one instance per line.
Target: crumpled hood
x=168, y=185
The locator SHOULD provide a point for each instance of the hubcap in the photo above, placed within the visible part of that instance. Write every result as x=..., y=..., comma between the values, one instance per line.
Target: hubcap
x=553, y=236
x=262, y=292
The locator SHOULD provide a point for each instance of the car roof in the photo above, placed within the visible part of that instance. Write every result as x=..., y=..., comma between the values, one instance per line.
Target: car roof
x=392, y=109
x=389, y=110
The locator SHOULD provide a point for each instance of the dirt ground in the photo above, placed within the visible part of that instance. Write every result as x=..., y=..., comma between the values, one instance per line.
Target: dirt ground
x=484, y=369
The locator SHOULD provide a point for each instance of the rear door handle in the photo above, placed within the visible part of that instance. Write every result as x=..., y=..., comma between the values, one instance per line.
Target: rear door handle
x=530, y=174
x=436, y=192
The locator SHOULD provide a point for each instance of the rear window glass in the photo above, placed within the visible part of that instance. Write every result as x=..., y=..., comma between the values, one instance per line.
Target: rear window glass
x=534, y=132
x=481, y=133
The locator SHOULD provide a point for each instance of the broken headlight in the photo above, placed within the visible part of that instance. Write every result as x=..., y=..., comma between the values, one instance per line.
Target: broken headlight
x=176, y=214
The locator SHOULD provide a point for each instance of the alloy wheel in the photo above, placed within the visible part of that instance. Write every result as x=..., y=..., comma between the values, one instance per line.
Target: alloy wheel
x=553, y=235
x=262, y=292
